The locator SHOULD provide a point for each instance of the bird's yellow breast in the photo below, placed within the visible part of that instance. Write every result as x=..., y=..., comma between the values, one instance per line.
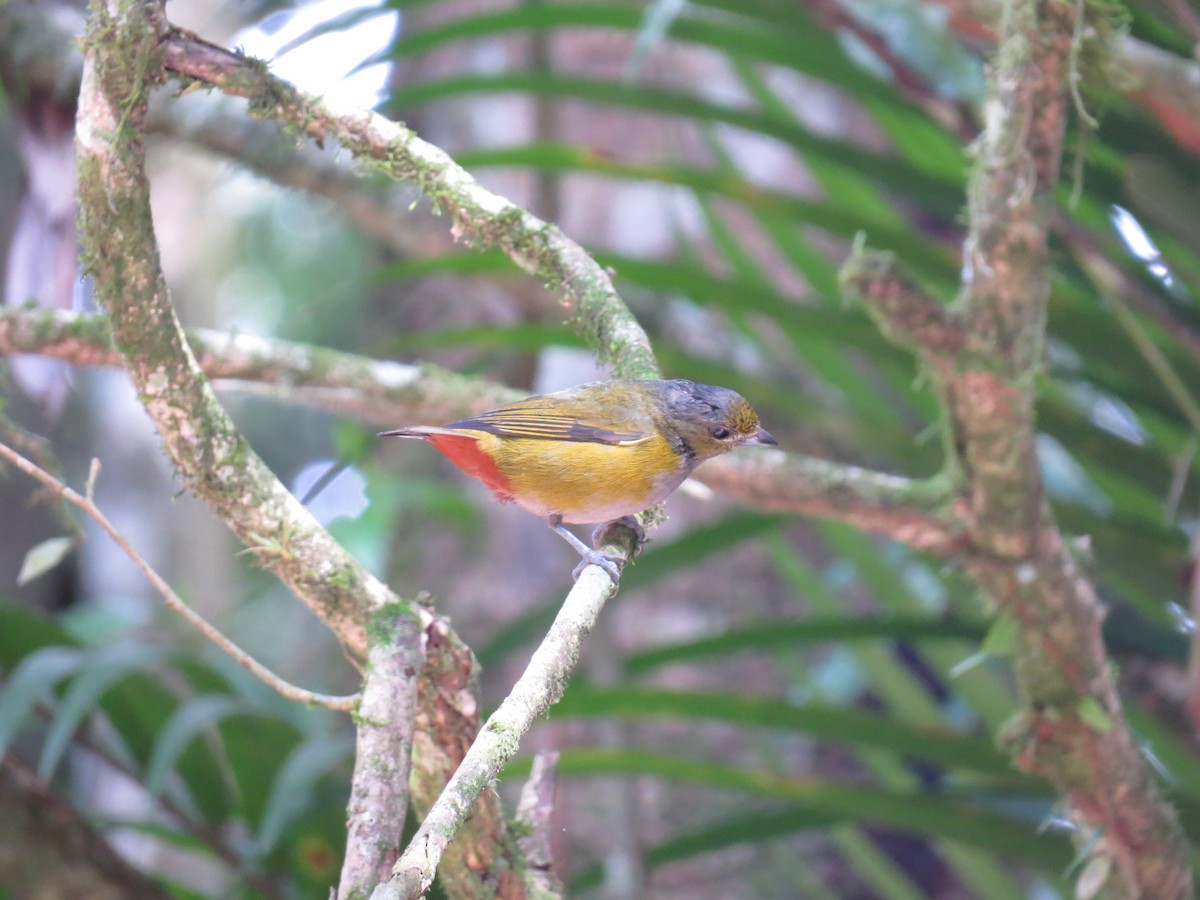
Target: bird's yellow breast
x=586, y=482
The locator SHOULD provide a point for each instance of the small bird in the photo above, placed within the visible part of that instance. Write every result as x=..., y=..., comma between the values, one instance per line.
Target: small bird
x=598, y=452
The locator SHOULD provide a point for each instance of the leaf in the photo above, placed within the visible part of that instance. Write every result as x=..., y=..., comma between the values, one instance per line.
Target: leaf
x=33, y=679
x=794, y=41
x=1001, y=635
x=43, y=557
x=756, y=828
x=758, y=637
x=937, y=744
x=1093, y=877
x=1094, y=715
x=137, y=707
x=254, y=745
x=293, y=787
x=941, y=193
x=189, y=720
x=101, y=669
x=954, y=816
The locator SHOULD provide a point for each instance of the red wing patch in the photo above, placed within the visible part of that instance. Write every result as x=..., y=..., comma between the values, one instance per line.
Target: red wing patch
x=464, y=452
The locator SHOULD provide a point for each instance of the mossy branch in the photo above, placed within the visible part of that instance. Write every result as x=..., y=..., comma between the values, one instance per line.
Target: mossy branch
x=386, y=723
x=123, y=59
x=983, y=355
x=479, y=216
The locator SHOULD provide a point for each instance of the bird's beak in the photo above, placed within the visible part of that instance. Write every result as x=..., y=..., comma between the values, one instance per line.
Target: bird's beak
x=760, y=438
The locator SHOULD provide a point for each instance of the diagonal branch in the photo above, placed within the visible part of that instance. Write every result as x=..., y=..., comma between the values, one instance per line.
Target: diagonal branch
x=480, y=217
x=121, y=254
x=122, y=53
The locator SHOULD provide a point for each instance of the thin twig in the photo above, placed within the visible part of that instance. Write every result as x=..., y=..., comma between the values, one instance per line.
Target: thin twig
x=172, y=600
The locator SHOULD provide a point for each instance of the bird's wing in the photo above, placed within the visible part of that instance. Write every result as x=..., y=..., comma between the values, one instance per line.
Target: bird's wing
x=537, y=422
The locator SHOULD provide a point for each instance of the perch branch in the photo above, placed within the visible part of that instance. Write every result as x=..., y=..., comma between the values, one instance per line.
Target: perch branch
x=538, y=688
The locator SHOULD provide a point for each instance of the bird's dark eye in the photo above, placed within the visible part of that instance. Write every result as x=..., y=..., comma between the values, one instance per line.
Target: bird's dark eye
x=722, y=434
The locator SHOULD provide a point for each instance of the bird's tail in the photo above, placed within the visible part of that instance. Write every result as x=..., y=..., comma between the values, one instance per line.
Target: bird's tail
x=422, y=432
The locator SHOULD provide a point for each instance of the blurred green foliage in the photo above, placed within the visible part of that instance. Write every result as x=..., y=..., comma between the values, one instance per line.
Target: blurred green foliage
x=873, y=650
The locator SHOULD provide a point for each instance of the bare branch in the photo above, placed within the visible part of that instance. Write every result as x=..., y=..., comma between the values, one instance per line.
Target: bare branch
x=173, y=601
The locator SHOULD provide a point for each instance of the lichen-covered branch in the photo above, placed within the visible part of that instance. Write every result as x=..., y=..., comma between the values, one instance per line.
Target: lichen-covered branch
x=122, y=62
x=538, y=688
x=480, y=217
x=380, y=391
x=1072, y=731
x=120, y=252
x=983, y=355
x=926, y=515
x=386, y=721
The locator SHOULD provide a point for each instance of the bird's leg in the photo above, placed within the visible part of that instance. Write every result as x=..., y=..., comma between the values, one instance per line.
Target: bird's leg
x=589, y=556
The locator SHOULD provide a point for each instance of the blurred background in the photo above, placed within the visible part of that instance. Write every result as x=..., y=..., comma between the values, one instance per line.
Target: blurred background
x=772, y=707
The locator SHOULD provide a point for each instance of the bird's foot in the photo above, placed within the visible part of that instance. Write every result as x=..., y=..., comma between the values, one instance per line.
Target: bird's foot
x=587, y=555
x=596, y=558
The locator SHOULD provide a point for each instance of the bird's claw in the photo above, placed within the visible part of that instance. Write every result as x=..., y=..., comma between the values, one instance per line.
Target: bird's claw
x=604, y=534
x=596, y=558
